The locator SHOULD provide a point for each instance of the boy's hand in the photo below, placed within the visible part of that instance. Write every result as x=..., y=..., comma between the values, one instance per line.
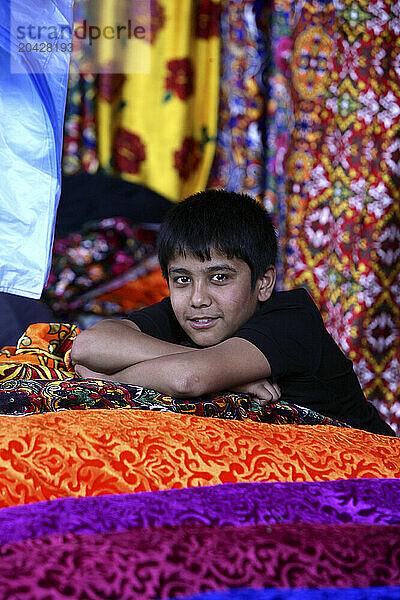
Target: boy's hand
x=262, y=391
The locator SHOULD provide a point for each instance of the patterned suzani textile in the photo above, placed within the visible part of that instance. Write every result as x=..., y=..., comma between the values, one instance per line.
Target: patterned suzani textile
x=343, y=218
x=309, y=118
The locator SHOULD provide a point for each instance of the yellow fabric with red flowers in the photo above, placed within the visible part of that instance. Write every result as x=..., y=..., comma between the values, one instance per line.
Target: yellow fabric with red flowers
x=159, y=128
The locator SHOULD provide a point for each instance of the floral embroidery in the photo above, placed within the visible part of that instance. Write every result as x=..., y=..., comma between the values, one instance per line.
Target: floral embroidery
x=129, y=152
x=179, y=78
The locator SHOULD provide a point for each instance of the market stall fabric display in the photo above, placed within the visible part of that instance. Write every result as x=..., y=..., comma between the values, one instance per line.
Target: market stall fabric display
x=113, y=491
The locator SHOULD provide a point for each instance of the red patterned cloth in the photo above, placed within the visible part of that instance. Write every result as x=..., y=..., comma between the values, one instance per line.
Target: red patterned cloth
x=170, y=562
x=343, y=168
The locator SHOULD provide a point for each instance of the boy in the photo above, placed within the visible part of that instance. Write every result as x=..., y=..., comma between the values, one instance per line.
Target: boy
x=224, y=327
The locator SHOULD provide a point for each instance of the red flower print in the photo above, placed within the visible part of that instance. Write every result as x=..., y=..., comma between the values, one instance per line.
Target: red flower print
x=180, y=77
x=110, y=85
x=129, y=152
x=207, y=19
x=152, y=20
x=187, y=158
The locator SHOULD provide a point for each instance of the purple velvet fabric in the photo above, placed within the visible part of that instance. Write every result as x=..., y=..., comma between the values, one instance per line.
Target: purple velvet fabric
x=371, y=501
x=173, y=561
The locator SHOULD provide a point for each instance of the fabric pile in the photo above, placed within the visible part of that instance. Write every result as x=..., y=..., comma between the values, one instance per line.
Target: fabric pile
x=308, y=120
x=107, y=268
x=111, y=490
x=142, y=504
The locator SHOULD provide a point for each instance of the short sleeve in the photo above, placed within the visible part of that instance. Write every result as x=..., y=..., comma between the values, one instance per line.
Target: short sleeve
x=288, y=338
x=156, y=320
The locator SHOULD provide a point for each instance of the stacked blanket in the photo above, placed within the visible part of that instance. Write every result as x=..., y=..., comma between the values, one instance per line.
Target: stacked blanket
x=113, y=491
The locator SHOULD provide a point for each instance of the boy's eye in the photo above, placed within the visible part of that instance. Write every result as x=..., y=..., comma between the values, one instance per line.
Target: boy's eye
x=220, y=277
x=181, y=280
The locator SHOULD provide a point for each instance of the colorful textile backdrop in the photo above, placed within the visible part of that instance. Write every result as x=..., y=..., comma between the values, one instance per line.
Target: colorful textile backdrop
x=110, y=490
x=323, y=153
x=343, y=182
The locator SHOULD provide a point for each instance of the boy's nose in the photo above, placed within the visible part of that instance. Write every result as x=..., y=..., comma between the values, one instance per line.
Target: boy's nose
x=200, y=295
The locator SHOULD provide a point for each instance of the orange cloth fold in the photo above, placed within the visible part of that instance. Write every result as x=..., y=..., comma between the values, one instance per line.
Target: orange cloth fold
x=141, y=292
x=42, y=352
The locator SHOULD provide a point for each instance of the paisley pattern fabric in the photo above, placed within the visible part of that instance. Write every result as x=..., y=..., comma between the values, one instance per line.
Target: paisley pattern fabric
x=24, y=397
x=42, y=352
x=94, y=452
x=162, y=562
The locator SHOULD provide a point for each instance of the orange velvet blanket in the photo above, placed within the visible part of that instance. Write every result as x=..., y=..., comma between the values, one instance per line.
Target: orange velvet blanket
x=88, y=453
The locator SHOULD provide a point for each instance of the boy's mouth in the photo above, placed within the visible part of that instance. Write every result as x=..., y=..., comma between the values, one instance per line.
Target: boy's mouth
x=202, y=322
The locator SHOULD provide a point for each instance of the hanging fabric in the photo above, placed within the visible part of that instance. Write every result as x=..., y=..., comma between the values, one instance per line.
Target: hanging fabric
x=35, y=46
x=158, y=128
x=343, y=233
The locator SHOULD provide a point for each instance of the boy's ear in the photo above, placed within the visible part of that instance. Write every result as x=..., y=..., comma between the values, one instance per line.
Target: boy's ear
x=266, y=284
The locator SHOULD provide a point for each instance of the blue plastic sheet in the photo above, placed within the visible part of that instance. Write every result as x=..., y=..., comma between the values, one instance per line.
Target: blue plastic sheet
x=33, y=88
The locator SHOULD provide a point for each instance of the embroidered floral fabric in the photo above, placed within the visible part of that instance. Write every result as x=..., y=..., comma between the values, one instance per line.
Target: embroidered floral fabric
x=23, y=397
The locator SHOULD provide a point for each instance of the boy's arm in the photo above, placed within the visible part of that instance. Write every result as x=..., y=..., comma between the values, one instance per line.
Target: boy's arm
x=226, y=365
x=112, y=345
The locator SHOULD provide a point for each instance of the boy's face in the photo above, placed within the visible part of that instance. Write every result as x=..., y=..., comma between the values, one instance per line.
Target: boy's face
x=211, y=299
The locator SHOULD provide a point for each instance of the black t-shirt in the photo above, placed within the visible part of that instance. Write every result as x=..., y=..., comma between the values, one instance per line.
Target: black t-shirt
x=309, y=367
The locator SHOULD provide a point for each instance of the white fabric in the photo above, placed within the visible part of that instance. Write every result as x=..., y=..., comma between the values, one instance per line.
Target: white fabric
x=33, y=89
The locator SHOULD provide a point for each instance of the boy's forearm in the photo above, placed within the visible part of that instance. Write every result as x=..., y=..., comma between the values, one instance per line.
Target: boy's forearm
x=111, y=346
x=194, y=372
x=166, y=374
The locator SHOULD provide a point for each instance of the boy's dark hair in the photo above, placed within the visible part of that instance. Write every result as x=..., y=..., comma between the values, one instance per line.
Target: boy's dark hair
x=233, y=224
